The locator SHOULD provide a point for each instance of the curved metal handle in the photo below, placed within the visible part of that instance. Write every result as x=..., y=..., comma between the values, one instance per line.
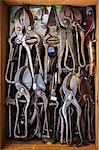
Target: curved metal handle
x=82, y=48
x=66, y=55
x=22, y=91
x=29, y=55
x=13, y=34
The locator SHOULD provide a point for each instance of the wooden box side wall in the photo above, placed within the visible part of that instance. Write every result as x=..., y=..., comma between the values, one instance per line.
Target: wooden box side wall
x=4, y=47
x=97, y=77
x=3, y=62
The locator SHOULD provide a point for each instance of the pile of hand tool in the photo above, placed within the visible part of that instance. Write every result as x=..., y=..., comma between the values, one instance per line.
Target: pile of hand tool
x=50, y=75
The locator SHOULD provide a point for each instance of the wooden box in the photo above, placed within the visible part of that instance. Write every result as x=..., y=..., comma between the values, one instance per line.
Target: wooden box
x=4, y=22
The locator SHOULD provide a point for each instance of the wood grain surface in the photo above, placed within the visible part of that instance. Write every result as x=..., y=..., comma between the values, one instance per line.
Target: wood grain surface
x=3, y=60
x=46, y=147
x=52, y=2
x=97, y=76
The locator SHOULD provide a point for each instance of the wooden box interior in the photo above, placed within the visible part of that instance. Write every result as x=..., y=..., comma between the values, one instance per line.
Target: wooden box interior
x=4, y=26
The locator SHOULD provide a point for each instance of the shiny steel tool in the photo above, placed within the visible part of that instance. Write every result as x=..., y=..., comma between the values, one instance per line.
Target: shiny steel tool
x=69, y=98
